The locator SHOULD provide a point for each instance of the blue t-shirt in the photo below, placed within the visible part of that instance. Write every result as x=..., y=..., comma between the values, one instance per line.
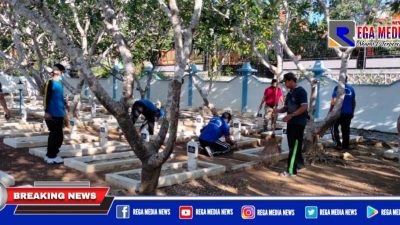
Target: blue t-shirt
x=54, y=98
x=215, y=129
x=149, y=105
x=349, y=94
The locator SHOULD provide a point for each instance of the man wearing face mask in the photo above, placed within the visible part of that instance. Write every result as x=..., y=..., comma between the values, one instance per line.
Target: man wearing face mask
x=54, y=106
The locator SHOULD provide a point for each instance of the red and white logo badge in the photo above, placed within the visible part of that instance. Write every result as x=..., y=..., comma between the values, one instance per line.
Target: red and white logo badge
x=185, y=212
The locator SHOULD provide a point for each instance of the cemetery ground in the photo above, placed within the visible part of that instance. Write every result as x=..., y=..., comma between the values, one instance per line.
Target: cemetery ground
x=361, y=171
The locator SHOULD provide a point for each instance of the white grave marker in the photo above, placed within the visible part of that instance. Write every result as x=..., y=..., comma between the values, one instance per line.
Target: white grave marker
x=93, y=110
x=236, y=129
x=103, y=134
x=284, y=142
x=199, y=124
x=192, y=154
x=24, y=115
x=145, y=134
x=260, y=120
x=73, y=128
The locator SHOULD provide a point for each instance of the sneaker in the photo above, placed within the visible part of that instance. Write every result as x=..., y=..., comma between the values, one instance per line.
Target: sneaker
x=286, y=174
x=49, y=160
x=209, y=152
x=58, y=160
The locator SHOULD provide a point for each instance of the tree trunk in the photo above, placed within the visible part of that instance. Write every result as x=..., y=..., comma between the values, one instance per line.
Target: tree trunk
x=398, y=125
x=313, y=97
x=310, y=142
x=314, y=130
x=149, y=179
x=204, y=96
x=142, y=94
x=77, y=99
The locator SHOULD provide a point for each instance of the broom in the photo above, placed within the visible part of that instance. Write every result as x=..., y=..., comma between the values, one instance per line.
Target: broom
x=271, y=147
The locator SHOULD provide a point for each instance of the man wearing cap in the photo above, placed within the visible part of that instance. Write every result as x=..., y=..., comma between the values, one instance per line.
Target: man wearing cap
x=271, y=98
x=4, y=104
x=346, y=115
x=215, y=129
x=296, y=118
x=54, y=107
x=149, y=111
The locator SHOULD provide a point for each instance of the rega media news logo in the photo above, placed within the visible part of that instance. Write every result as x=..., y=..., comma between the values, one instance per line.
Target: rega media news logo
x=341, y=33
x=346, y=34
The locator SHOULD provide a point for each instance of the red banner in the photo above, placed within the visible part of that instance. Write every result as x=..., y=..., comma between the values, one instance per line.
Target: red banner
x=56, y=196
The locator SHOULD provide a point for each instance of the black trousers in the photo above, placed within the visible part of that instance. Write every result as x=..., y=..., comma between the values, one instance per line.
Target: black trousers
x=217, y=148
x=344, y=122
x=139, y=108
x=56, y=136
x=295, y=133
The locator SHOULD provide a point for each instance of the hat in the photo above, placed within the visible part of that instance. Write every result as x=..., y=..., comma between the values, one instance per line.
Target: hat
x=58, y=66
x=289, y=76
x=227, y=116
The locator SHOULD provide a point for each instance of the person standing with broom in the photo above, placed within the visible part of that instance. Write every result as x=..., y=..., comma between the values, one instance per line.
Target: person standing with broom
x=272, y=97
x=296, y=108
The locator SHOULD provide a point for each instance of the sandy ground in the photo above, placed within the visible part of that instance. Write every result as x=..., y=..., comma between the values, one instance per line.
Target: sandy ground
x=368, y=173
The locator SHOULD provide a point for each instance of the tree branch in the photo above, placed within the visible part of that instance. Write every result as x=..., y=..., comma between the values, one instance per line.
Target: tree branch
x=112, y=27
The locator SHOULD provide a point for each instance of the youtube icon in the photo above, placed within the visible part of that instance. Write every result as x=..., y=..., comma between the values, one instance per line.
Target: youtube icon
x=185, y=212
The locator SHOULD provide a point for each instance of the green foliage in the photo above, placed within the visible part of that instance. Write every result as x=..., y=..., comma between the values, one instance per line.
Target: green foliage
x=148, y=30
x=229, y=71
x=395, y=6
x=101, y=72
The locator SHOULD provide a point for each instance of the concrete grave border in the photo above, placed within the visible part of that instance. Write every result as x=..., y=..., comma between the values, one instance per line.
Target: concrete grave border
x=393, y=153
x=83, y=149
x=40, y=141
x=168, y=180
x=116, y=159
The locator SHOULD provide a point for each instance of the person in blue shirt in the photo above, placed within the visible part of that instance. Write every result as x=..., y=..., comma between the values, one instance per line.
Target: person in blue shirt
x=215, y=129
x=296, y=108
x=346, y=115
x=149, y=111
x=54, y=107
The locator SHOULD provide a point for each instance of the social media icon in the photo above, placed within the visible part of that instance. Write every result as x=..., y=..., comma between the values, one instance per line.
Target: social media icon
x=311, y=212
x=123, y=212
x=248, y=212
x=371, y=212
x=185, y=212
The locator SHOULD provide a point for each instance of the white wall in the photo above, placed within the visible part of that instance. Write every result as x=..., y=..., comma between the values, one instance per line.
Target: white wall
x=330, y=64
x=378, y=107
x=335, y=64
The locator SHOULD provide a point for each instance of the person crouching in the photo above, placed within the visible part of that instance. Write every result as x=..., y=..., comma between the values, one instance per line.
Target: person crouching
x=215, y=129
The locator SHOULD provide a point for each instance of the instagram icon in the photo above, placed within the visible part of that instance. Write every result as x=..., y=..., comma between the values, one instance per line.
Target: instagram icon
x=248, y=212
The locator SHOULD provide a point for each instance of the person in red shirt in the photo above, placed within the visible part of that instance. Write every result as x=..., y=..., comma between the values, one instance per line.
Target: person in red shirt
x=271, y=98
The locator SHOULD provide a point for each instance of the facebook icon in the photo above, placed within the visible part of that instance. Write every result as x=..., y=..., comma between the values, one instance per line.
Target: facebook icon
x=123, y=212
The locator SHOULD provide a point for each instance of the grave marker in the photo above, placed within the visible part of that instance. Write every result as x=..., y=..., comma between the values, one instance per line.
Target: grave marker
x=192, y=154
x=236, y=129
